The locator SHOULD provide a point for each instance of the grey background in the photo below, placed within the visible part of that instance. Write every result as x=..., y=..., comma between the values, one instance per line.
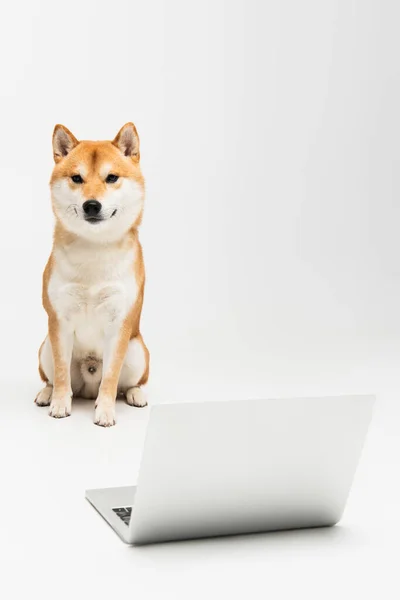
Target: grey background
x=270, y=145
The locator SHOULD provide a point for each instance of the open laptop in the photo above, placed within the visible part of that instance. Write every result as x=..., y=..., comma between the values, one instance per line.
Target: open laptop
x=221, y=468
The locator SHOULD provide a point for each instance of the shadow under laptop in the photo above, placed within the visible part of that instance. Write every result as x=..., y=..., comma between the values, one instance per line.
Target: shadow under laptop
x=288, y=542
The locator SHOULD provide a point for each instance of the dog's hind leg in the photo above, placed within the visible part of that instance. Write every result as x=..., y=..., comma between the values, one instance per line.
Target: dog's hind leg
x=135, y=372
x=44, y=396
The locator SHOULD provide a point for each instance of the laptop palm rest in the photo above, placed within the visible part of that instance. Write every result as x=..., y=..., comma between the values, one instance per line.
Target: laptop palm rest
x=112, y=505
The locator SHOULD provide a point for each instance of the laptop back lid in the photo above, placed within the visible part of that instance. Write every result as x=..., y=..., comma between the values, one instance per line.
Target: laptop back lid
x=219, y=468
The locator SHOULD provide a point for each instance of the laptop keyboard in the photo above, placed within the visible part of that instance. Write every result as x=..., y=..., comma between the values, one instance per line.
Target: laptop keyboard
x=124, y=513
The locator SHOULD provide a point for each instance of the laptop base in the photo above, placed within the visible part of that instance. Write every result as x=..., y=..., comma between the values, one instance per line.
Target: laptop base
x=112, y=505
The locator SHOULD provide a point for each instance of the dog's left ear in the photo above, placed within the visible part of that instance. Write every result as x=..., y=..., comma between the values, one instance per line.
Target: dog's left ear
x=127, y=141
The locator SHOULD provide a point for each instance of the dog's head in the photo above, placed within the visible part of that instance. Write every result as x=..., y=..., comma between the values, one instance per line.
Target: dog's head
x=97, y=188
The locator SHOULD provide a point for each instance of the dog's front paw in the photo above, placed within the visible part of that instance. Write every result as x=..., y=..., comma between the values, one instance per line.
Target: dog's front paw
x=60, y=406
x=135, y=397
x=44, y=396
x=104, y=414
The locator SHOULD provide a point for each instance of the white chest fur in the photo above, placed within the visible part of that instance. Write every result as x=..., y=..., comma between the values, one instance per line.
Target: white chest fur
x=92, y=289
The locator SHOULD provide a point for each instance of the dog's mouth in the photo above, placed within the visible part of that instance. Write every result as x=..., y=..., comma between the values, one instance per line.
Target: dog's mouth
x=95, y=220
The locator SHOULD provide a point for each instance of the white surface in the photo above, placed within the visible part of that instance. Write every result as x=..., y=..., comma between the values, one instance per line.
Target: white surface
x=52, y=540
x=270, y=146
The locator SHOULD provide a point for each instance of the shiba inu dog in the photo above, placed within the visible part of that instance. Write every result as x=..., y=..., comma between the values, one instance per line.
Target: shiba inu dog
x=93, y=283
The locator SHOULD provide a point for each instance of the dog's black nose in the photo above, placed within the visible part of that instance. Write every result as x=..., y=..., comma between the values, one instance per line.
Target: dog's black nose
x=91, y=208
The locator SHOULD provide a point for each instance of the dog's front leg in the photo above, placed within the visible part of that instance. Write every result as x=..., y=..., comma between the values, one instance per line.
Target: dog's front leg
x=115, y=347
x=61, y=338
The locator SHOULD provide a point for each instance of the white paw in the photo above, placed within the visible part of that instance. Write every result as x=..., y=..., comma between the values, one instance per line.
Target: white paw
x=44, y=396
x=60, y=406
x=136, y=397
x=104, y=415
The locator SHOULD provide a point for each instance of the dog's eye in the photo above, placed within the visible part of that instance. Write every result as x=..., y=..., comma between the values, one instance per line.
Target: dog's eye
x=112, y=178
x=77, y=179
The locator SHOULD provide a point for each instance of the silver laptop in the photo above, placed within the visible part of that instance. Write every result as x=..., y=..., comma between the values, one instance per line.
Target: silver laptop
x=221, y=468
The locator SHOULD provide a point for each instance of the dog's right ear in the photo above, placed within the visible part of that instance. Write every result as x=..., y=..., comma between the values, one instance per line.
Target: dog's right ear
x=63, y=142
